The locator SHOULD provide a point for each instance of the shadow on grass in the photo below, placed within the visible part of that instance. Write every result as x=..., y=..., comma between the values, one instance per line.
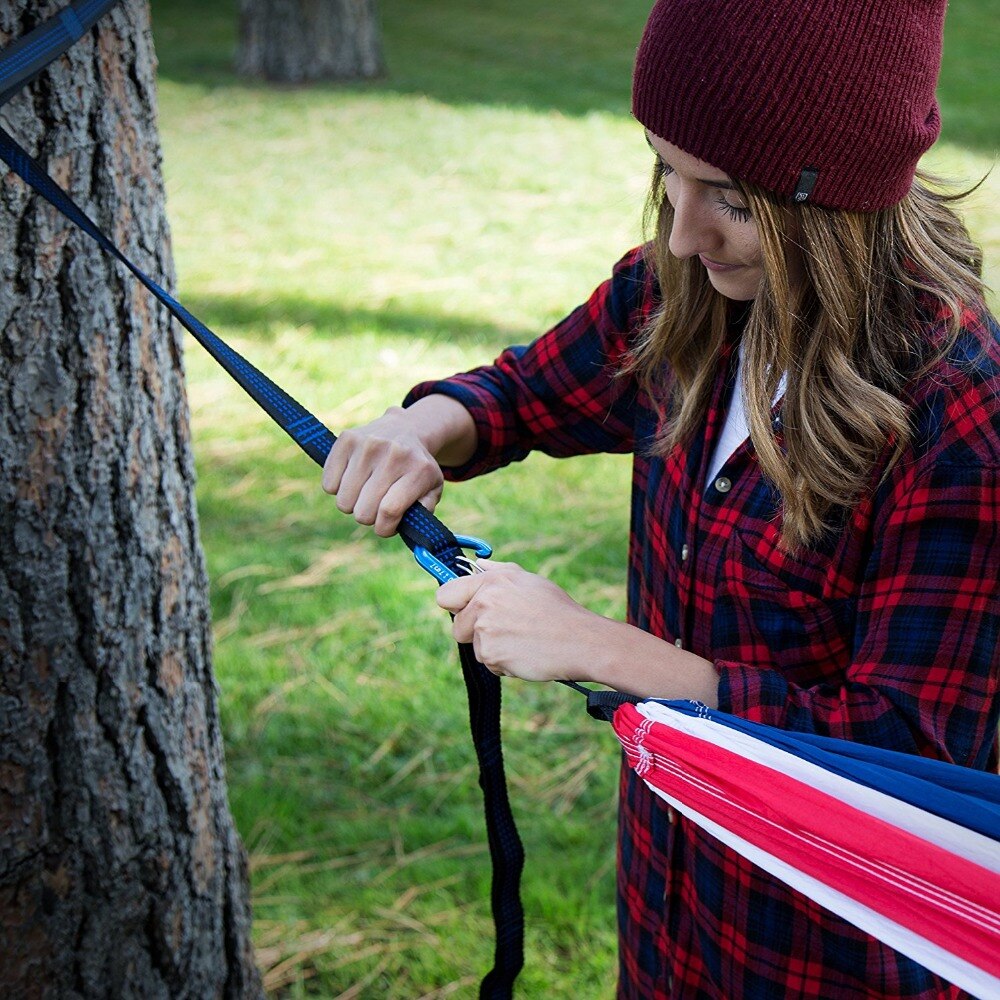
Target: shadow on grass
x=547, y=55
x=262, y=319
x=552, y=56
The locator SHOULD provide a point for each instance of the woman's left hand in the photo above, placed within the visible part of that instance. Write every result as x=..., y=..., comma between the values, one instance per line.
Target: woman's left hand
x=522, y=625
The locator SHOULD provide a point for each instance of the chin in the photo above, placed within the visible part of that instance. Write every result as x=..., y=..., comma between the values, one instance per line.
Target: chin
x=738, y=287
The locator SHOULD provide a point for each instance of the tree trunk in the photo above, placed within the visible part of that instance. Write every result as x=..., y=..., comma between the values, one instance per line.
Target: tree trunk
x=293, y=41
x=121, y=874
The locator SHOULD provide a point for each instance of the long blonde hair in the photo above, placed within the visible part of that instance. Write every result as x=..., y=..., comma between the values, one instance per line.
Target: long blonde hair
x=847, y=339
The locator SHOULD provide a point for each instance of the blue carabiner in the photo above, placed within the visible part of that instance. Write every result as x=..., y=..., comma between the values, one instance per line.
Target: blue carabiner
x=442, y=573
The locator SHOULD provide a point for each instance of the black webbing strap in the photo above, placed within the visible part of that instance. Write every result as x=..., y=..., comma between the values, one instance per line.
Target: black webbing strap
x=601, y=704
x=483, y=689
x=21, y=62
x=27, y=56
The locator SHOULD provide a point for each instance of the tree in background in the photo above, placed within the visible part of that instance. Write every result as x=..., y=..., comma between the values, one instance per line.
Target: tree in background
x=121, y=873
x=298, y=40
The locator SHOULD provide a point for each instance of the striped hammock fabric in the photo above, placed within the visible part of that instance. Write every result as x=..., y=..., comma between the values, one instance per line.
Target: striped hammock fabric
x=907, y=849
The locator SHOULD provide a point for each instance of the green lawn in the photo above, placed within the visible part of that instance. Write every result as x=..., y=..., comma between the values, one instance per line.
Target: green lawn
x=352, y=241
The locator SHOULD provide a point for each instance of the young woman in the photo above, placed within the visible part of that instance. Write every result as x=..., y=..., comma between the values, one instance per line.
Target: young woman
x=802, y=365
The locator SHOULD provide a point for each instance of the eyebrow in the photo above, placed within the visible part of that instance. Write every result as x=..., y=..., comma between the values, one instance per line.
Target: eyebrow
x=708, y=182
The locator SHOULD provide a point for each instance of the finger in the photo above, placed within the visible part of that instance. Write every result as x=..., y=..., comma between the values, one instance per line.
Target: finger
x=488, y=565
x=397, y=500
x=481, y=654
x=333, y=467
x=372, y=496
x=493, y=668
x=432, y=497
x=456, y=594
x=352, y=482
x=463, y=628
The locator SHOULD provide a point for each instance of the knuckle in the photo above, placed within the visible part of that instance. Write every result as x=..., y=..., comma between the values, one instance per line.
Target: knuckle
x=399, y=454
x=393, y=509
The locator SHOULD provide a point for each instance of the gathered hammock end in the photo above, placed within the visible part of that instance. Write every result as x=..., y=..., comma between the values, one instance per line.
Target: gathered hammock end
x=905, y=848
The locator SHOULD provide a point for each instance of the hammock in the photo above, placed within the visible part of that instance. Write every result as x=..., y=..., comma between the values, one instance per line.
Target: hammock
x=905, y=848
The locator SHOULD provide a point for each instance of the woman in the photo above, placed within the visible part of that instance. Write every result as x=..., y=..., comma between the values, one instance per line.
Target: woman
x=802, y=365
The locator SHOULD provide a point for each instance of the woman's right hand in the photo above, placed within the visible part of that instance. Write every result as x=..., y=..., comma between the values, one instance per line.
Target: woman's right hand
x=378, y=470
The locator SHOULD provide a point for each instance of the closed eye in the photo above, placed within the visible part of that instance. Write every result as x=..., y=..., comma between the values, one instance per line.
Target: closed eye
x=739, y=213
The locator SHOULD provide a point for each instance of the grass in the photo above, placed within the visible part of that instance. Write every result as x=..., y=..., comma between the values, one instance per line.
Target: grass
x=352, y=241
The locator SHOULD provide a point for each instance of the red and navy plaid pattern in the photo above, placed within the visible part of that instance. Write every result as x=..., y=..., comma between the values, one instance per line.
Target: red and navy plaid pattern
x=885, y=632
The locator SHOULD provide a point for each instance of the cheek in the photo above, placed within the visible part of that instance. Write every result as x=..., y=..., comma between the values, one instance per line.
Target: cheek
x=746, y=243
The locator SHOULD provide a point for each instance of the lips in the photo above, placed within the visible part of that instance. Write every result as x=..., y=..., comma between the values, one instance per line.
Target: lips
x=718, y=266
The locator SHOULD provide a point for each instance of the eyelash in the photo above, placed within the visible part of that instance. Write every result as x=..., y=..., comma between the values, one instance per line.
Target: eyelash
x=735, y=212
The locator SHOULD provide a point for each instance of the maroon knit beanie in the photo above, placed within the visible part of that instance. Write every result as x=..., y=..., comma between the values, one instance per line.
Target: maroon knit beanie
x=826, y=100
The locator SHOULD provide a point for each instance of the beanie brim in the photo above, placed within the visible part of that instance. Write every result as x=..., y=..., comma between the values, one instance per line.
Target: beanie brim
x=766, y=90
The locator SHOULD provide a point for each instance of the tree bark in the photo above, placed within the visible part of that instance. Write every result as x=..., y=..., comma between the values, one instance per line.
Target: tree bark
x=121, y=874
x=294, y=41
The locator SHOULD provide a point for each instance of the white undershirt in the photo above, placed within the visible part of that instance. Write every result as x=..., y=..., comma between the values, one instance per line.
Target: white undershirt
x=736, y=429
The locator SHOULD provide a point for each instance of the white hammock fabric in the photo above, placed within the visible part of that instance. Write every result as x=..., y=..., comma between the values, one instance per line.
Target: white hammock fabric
x=905, y=848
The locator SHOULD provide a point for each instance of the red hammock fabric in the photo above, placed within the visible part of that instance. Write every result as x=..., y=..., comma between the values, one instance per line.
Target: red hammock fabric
x=923, y=883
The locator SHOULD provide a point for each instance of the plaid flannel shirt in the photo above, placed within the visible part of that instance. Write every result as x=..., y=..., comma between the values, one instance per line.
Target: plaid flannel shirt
x=885, y=632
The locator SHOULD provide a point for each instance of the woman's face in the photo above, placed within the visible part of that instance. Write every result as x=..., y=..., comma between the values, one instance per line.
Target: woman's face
x=711, y=222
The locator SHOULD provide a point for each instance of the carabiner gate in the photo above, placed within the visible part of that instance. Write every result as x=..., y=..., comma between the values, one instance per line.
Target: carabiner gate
x=442, y=573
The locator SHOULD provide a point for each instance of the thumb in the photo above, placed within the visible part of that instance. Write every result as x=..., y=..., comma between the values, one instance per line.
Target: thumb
x=456, y=594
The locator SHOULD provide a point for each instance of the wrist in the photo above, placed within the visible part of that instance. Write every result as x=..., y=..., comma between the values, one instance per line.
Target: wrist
x=608, y=648
x=444, y=427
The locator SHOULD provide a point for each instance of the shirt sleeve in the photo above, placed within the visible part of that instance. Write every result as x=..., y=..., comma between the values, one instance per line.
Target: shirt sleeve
x=924, y=675
x=562, y=394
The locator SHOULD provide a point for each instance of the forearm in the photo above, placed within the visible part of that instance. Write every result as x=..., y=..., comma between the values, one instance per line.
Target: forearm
x=630, y=660
x=522, y=625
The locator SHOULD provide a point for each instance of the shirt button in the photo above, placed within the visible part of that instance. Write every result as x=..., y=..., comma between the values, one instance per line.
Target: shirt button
x=678, y=643
x=723, y=485
x=685, y=552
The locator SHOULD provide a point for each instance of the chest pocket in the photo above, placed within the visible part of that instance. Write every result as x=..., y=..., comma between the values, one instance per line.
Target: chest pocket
x=780, y=609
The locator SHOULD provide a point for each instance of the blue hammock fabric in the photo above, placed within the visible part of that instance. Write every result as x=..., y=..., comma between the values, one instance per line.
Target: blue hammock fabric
x=962, y=795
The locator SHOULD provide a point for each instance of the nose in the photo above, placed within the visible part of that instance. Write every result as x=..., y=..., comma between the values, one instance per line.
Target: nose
x=693, y=229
